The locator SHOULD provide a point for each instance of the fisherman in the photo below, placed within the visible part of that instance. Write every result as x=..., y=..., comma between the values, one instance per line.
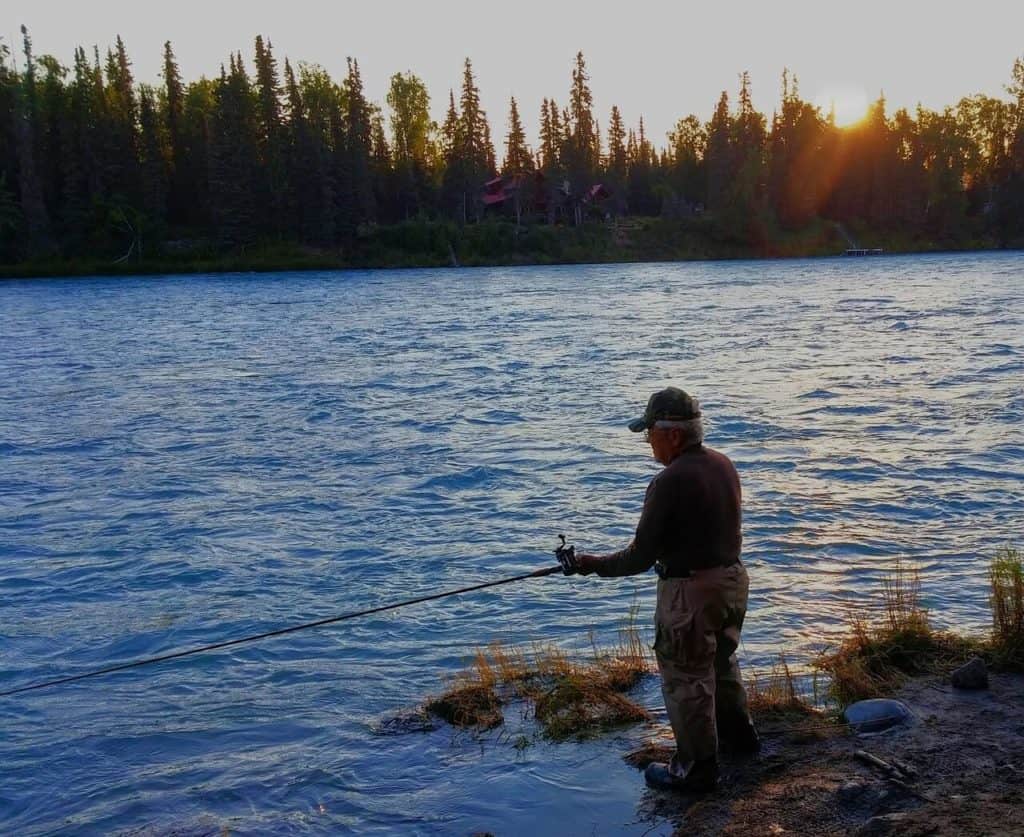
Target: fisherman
x=689, y=531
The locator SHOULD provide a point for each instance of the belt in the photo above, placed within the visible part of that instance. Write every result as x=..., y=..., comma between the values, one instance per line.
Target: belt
x=665, y=571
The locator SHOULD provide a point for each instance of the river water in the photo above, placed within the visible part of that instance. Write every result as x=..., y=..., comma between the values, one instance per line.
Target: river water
x=193, y=459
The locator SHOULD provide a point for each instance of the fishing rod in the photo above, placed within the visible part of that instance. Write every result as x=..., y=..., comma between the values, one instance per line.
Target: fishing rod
x=567, y=565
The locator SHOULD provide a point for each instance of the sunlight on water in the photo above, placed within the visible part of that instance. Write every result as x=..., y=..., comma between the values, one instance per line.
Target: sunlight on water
x=188, y=460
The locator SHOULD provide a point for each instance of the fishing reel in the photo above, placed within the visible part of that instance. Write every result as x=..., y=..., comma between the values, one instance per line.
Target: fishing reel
x=566, y=555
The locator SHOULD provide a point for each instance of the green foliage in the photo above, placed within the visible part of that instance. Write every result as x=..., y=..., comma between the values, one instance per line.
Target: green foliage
x=298, y=157
x=1006, y=575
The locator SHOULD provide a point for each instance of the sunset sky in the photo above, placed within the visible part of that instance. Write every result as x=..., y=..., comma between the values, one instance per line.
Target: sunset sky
x=659, y=60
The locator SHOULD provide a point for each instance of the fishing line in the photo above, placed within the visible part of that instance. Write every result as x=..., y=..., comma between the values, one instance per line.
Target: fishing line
x=558, y=568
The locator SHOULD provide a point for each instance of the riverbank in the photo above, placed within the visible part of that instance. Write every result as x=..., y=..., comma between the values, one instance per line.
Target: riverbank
x=963, y=755
x=429, y=244
x=951, y=768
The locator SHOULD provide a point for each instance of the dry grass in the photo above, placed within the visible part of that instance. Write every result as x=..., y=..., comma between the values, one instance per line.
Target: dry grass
x=877, y=657
x=775, y=693
x=472, y=700
x=572, y=698
x=1006, y=575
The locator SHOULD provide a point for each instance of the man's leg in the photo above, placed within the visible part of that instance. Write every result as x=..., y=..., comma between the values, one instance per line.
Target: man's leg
x=686, y=660
x=735, y=727
x=689, y=693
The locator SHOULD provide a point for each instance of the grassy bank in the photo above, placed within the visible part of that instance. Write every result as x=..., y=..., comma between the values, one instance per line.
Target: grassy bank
x=492, y=243
x=578, y=697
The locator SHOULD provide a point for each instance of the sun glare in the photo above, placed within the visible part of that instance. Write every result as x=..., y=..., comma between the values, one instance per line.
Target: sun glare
x=850, y=104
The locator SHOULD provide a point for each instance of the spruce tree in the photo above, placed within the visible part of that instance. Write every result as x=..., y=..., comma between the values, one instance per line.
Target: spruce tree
x=41, y=241
x=356, y=188
x=517, y=156
x=582, y=153
x=234, y=157
x=474, y=142
x=271, y=189
x=719, y=156
x=616, y=162
x=154, y=161
x=174, y=106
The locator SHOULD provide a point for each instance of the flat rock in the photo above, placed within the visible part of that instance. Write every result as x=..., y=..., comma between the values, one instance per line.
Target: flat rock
x=971, y=675
x=877, y=714
x=883, y=825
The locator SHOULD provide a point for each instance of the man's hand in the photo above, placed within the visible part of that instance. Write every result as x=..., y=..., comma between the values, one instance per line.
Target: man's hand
x=573, y=564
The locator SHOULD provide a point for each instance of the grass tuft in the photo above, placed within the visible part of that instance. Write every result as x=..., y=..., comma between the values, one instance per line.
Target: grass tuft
x=776, y=693
x=571, y=698
x=1006, y=575
x=875, y=659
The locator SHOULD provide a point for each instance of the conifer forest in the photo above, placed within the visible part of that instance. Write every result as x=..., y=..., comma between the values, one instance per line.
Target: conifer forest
x=269, y=152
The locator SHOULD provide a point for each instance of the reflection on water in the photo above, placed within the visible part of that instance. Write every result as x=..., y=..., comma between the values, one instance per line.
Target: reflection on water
x=190, y=460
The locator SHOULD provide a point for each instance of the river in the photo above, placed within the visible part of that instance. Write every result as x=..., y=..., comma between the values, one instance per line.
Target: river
x=192, y=459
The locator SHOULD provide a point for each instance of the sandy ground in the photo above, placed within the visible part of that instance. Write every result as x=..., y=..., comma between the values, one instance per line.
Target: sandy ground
x=963, y=773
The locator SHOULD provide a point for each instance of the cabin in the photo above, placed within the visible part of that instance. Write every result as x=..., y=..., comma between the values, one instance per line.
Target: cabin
x=531, y=193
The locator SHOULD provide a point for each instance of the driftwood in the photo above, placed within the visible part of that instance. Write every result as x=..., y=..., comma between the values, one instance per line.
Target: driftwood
x=898, y=772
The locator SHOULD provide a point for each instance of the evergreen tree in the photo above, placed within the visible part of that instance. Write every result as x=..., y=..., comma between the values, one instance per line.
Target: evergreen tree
x=11, y=216
x=313, y=109
x=453, y=177
x=685, y=164
x=517, y=156
x=549, y=139
x=796, y=167
x=174, y=107
x=616, y=162
x=582, y=154
x=198, y=137
x=271, y=190
x=640, y=189
x=234, y=157
x=747, y=192
x=119, y=129
x=355, y=141
x=33, y=206
x=154, y=159
x=476, y=151
x=1009, y=203
x=718, y=157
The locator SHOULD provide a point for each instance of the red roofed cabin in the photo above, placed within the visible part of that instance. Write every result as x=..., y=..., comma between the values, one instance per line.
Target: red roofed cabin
x=502, y=193
x=528, y=193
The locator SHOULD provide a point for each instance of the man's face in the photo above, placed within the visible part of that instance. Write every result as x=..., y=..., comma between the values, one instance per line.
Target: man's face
x=663, y=442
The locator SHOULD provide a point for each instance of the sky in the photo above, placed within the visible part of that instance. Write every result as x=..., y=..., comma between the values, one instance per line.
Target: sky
x=656, y=60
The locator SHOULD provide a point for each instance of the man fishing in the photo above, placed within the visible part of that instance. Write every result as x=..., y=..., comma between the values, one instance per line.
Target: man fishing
x=689, y=531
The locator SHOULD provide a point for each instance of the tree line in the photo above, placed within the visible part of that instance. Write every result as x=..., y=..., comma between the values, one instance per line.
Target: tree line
x=93, y=162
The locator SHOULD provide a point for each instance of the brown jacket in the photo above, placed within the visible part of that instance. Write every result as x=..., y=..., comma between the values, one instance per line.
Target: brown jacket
x=690, y=520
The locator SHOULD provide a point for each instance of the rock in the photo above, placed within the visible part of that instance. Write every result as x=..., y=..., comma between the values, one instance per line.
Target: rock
x=877, y=714
x=882, y=825
x=972, y=675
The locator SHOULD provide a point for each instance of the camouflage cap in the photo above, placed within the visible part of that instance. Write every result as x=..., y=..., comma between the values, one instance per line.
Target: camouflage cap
x=669, y=404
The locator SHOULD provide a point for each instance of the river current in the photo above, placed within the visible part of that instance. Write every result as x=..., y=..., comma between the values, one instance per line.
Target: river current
x=192, y=459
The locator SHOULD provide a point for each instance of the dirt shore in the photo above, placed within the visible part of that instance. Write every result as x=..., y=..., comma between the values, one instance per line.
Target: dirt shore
x=962, y=774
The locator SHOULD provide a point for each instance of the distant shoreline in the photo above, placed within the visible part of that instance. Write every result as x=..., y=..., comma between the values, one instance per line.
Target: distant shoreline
x=427, y=245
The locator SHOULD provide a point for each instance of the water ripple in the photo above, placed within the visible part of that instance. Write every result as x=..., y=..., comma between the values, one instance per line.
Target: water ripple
x=190, y=460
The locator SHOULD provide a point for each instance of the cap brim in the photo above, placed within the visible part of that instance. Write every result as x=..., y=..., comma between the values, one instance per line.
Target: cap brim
x=636, y=425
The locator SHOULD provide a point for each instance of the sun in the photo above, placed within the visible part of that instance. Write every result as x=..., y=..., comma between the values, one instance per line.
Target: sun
x=850, y=104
